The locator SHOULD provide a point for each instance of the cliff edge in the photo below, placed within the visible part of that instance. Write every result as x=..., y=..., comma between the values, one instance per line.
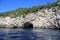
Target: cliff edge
x=43, y=18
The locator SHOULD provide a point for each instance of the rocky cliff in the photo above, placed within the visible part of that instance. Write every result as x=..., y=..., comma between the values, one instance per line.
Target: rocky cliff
x=44, y=18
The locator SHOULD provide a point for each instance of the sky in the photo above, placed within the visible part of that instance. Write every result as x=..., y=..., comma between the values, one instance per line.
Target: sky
x=8, y=5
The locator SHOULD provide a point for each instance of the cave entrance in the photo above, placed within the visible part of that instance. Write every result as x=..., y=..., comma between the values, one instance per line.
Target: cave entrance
x=28, y=25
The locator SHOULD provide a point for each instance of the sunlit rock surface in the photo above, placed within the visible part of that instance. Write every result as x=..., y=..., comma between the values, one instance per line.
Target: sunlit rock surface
x=44, y=18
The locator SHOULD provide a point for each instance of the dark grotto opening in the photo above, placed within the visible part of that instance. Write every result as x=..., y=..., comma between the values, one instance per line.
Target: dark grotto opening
x=28, y=25
x=15, y=27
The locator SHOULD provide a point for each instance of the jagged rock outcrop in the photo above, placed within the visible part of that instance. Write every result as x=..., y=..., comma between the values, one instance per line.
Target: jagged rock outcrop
x=44, y=18
x=11, y=22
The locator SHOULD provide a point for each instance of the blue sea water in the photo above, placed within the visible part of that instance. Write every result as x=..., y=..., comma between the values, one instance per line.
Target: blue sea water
x=29, y=34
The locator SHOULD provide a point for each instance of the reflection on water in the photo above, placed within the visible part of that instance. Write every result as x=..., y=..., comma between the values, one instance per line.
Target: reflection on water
x=29, y=34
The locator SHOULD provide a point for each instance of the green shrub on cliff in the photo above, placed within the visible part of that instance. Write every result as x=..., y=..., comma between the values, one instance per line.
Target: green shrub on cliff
x=49, y=5
x=22, y=11
x=35, y=8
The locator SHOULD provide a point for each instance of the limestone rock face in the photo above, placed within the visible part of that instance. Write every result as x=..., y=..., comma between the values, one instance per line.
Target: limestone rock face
x=11, y=22
x=44, y=18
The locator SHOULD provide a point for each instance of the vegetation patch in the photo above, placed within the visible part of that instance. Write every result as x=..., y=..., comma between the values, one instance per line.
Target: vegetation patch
x=23, y=11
